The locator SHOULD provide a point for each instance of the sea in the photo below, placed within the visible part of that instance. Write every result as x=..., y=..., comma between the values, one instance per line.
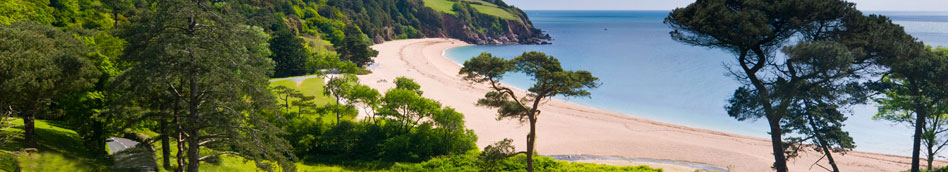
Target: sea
x=646, y=74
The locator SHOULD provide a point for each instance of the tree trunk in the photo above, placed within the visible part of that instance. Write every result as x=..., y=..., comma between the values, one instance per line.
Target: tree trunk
x=829, y=155
x=337, y=109
x=920, y=115
x=28, y=128
x=165, y=143
x=181, y=149
x=824, y=145
x=931, y=156
x=194, y=153
x=776, y=133
x=286, y=103
x=531, y=139
x=776, y=138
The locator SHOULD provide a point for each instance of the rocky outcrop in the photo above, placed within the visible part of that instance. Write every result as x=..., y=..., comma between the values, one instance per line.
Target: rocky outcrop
x=517, y=32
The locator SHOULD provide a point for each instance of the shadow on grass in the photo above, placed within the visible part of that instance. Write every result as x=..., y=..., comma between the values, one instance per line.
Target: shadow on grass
x=348, y=163
x=52, y=140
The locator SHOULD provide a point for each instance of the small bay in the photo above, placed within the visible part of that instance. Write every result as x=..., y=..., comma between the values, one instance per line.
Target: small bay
x=646, y=74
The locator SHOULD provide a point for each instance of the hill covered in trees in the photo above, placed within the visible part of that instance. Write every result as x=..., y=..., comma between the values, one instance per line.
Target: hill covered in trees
x=475, y=21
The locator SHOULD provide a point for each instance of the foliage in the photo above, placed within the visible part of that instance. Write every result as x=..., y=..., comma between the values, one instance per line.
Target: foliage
x=289, y=54
x=202, y=59
x=19, y=10
x=495, y=153
x=42, y=64
x=802, y=91
x=421, y=129
x=355, y=48
x=469, y=162
x=551, y=80
x=916, y=97
x=84, y=109
x=58, y=150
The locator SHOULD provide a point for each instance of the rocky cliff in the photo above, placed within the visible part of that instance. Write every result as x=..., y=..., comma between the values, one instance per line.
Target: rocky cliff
x=514, y=32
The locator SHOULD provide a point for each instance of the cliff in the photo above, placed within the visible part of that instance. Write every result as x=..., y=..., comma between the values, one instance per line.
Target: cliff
x=514, y=32
x=473, y=21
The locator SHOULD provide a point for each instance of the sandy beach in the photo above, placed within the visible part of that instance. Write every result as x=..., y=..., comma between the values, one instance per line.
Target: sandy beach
x=569, y=129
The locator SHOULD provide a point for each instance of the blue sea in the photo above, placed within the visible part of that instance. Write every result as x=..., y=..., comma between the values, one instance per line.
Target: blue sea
x=644, y=73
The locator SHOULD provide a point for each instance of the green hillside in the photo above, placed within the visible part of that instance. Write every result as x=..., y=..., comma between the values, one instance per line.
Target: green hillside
x=447, y=6
x=190, y=80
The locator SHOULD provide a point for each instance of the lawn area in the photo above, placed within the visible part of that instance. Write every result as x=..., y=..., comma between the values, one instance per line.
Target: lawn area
x=309, y=87
x=446, y=6
x=59, y=150
x=235, y=163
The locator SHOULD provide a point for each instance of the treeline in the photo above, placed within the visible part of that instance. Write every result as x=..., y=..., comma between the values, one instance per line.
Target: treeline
x=195, y=73
x=397, y=126
x=802, y=62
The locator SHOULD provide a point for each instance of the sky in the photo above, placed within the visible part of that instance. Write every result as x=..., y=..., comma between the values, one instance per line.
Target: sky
x=864, y=5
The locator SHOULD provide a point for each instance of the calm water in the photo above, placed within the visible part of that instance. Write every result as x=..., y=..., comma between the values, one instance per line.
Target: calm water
x=648, y=75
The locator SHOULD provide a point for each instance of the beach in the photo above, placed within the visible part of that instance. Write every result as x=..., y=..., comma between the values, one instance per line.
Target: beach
x=568, y=129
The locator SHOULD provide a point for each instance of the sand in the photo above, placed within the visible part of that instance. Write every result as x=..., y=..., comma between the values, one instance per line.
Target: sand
x=569, y=129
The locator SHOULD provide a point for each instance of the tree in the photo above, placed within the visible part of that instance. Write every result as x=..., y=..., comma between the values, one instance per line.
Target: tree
x=283, y=94
x=202, y=57
x=821, y=79
x=764, y=27
x=915, y=95
x=339, y=88
x=40, y=64
x=366, y=97
x=493, y=154
x=18, y=10
x=85, y=110
x=551, y=80
x=405, y=104
x=302, y=103
x=900, y=109
x=354, y=47
x=288, y=53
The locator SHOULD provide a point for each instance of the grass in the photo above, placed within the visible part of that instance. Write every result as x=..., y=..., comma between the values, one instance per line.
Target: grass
x=446, y=6
x=309, y=87
x=59, y=150
x=316, y=44
x=236, y=163
x=443, y=6
x=494, y=11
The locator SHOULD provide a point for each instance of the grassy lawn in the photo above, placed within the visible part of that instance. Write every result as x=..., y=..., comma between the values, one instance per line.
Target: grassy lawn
x=235, y=163
x=309, y=87
x=59, y=150
x=446, y=6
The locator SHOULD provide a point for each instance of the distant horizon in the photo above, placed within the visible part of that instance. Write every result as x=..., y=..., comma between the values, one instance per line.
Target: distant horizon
x=668, y=5
x=946, y=11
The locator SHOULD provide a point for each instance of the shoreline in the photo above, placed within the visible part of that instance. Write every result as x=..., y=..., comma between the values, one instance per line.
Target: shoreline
x=571, y=129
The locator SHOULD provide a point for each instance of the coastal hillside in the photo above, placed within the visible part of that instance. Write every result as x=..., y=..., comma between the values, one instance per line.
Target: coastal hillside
x=474, y=21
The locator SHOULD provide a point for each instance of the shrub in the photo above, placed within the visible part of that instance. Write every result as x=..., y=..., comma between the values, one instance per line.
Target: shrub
x=470, y=162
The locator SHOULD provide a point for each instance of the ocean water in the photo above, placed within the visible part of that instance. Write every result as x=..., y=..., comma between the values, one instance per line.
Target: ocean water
x=644, y=73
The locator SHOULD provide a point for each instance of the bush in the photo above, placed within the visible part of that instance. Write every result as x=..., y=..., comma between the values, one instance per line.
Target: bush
x=469, y=162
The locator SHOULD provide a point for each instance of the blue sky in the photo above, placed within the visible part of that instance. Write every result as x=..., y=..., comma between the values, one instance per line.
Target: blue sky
x=865, y=5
